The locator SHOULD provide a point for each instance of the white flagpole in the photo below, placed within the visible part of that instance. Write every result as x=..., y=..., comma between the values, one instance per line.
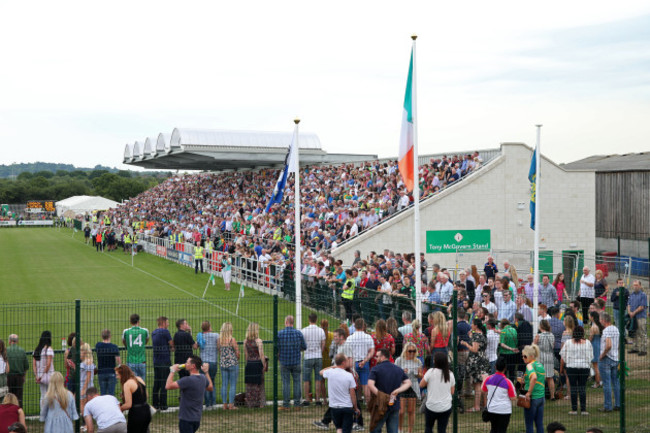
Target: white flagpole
x=538, y=159
x=416, y=194
x=296, y=228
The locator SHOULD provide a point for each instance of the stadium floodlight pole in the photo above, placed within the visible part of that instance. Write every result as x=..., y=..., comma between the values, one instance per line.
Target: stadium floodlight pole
x=296, y=224
x=416, y=194
x=538, y=177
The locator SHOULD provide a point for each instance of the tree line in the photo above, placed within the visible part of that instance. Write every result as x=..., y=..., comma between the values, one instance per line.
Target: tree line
x=48, y=185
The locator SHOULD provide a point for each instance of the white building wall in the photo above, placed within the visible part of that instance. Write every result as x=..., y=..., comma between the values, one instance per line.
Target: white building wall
x=497, y=198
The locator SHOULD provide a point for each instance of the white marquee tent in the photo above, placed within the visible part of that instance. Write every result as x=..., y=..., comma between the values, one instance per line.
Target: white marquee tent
x=84, y=203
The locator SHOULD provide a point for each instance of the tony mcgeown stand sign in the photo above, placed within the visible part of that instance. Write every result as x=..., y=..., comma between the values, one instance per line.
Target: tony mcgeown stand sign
x=452, y=241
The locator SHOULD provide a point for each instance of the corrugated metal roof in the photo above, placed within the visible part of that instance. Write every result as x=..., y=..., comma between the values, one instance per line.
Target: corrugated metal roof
x=210, y=137
x=627, y=162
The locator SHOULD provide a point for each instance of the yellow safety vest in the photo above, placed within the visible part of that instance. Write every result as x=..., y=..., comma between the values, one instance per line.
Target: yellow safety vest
x=198, y=253
x=171, y=239
x=348, y=292
x=127, y=239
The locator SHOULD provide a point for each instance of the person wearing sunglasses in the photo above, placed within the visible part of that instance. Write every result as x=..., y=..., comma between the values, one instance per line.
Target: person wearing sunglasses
x=533, y=382
x=412, y=366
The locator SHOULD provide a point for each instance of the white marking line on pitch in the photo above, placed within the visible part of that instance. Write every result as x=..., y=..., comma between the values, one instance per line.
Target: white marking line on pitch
x=189, y=293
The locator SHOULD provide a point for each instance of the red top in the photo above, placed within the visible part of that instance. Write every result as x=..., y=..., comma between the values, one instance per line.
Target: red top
x=8, y=416
x=441, y=342
x=388, y=342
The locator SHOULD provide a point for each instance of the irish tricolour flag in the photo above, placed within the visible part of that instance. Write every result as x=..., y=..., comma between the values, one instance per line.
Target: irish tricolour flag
x=406, y=137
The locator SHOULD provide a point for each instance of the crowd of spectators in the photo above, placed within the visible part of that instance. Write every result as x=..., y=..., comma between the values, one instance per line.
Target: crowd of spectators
x=228, y=209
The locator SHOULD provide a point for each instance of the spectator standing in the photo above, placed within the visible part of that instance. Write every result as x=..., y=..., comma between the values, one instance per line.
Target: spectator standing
x=341, y=388
x=43, y=362
x=412, y=366
x=364, y=350
x=18, y=366
x=135, y=339
x=193, y=387
x=478, y=365
x=586, y=294
x=524, y=309
x=229, y=363
x=382, y=340
x=548, y=293
x=595, y=334
x=499, y=393
x=406, y=319
x=576, y=356
x=58, y=409
x=490, y=268
x=446, y=289
x=560, y=287
x=533, y=382
x=183, y=345
x=162, y=345
x=463, y=330
x=608, y=363
x=440, y=384
x=619, y=290
x=600, y=285
x=386, y=382
x=290, y=343
x=557, y=328
x=105, y=410
x=134, y=393
x=546, y=342
x=391, y=326
x=440, y=333
x=313, y=360
x=418, y=339
x=256, y=365
x=508, y=346
x=10, y=412
x=86, y=372
x=492, y=344
x=108, y=357
x=207, y=341
x=637, y=308
x=329, y=336
x=506, y=308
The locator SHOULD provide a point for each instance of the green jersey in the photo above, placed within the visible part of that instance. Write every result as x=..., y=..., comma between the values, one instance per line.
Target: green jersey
x=135, y=340
x=509, y=338
x=538, y=386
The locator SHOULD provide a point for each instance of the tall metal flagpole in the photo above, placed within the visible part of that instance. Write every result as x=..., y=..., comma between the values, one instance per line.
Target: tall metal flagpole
x=538, y=159
x=296, y=228
x=416, y=194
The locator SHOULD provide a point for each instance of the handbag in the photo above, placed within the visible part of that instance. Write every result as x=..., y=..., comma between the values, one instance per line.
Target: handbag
x=423, y=405
x=522, y=401
x=485, y=415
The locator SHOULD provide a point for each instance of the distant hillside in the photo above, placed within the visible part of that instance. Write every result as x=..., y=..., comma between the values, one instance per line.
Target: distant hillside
x=14, y=170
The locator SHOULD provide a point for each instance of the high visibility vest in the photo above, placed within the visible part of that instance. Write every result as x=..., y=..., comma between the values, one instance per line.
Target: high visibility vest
x=348, y=292
x=127, y=239
x=107, y=220
x=277, y=235
x=198, y=253
x=208, y=248
x=94, y=218
x=171, y=239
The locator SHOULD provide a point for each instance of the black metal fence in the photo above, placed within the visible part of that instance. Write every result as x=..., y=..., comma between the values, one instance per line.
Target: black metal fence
x=89, y=318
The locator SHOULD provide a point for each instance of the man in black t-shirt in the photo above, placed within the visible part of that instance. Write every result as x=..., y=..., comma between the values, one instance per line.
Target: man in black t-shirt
x=183, y=344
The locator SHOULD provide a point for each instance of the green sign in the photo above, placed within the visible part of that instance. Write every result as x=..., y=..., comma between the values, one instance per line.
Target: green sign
x=462, y=241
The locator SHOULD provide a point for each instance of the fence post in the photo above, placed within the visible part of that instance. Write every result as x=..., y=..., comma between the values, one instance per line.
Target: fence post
x=621, y=356
x=275, y=363
x=454, y=348
x=618, y=255
x=77, y=359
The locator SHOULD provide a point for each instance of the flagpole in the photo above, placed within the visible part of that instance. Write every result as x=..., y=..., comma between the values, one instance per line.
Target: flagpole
x=538, y=158
x=416, y=194
x=296, y=229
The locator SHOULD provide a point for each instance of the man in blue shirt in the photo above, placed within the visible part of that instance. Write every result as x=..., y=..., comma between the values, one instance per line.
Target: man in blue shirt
x=290, y=343
x=390, y=379
x=463, y=353
x=490, y=268
x=637, y=306
x=162, y=344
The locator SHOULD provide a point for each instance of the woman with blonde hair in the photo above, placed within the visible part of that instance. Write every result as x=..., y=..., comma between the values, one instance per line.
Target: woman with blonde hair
x=419, y=339
x=533, y=382
x=255, y=367
x=229, y=363
x=86, y=372
x=58, y=410
x=412, y=366
x=10, y=412
x=134, y=393
x=439, y=334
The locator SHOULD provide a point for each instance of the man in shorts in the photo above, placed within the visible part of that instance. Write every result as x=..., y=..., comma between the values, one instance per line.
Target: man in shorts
x=313, y=360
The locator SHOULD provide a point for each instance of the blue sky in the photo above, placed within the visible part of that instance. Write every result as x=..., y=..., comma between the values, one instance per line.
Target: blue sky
x=80, y=79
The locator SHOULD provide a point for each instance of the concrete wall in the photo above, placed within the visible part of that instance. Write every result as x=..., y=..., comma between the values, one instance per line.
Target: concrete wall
x=497, y=198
